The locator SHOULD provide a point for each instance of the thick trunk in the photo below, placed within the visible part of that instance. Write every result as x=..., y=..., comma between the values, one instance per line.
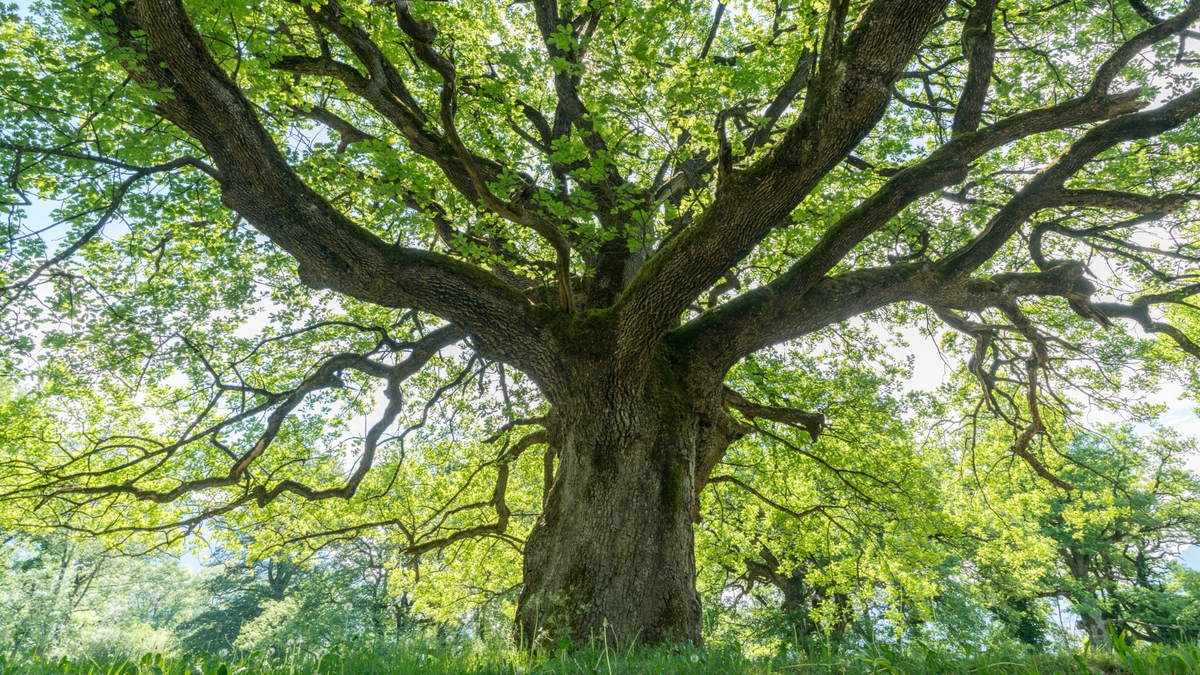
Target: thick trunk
x=612, y=554
x=1096, y=628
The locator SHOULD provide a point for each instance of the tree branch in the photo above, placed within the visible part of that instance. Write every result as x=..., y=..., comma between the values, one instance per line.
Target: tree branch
x=109, y=212
x=1139, y=311
x=422, y=34
x=349, y=133
x=813, y=423
x=712, y=32
x=768, y=501
x=839, y=112
x=325, y=376
x=979, y=46
x=332, y=251
x=1157, y=33
x=732, y=331
x=733, y=328
x=1044, y=187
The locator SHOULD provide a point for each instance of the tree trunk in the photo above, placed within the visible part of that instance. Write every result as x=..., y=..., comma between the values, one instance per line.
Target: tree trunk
x=1096, y=628
x=1091, y=620
x=612, y=555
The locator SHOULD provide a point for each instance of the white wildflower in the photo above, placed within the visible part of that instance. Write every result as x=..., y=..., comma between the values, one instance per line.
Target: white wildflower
x=349, y=606
x=223, y=653
x=695, y=658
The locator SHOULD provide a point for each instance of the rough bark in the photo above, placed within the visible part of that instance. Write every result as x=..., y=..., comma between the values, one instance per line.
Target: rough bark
x=613, y=549
x=1091, y=617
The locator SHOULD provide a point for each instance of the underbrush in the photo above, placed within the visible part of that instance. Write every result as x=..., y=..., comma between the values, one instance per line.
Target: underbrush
x=477, y=659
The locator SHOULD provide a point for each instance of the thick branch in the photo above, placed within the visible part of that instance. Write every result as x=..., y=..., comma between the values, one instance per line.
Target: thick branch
x=712, y=31
x=732, y=331
x=1119, y=201
x=1044, y=187
x=839, y=113
x=332, y=251
x=740, y=326
x=423, y=34
x=979, y=46
x=838, y=298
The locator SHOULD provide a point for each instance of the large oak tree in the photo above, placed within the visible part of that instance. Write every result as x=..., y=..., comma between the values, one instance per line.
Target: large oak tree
x=605, y=204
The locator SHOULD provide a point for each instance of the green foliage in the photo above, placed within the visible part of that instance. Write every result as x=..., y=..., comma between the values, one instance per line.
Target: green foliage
x=59, y=595
x=66, y=596
x=157, y=354
x=1104, y=547
x=852, y=528
x=342, y=596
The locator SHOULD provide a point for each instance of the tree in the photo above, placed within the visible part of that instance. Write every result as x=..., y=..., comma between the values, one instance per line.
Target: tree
x=820, y=544
x=62, y=595
x=1111, y=541
x=46, y=580
x=336, y=599
x=237, y=594
x=603, y=205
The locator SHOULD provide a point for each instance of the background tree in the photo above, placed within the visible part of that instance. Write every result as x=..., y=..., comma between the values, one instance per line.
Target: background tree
x=1110, y=541
x=591, y=211
x=827, y=540
x=62, y=595
x=338, y=597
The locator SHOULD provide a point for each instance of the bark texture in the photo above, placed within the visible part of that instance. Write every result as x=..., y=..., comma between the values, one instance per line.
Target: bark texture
x=613, y=549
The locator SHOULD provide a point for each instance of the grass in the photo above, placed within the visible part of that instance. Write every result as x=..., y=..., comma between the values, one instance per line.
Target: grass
x=475, y=659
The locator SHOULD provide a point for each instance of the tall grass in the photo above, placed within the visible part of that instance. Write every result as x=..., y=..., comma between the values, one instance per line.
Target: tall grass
x=433, y=658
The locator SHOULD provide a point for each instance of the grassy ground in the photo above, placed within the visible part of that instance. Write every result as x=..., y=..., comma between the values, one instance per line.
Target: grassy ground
x=423, y=660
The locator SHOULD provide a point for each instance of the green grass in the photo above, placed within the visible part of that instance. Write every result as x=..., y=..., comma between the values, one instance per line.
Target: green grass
x=424, y=659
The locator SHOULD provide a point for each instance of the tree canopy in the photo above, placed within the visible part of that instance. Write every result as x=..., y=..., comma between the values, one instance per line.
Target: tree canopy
x=558, y=295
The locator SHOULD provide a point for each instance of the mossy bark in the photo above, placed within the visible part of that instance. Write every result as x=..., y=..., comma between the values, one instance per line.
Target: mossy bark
x=613, y=551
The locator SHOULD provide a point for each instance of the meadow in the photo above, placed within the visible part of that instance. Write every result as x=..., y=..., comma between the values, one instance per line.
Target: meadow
x=476, y=658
